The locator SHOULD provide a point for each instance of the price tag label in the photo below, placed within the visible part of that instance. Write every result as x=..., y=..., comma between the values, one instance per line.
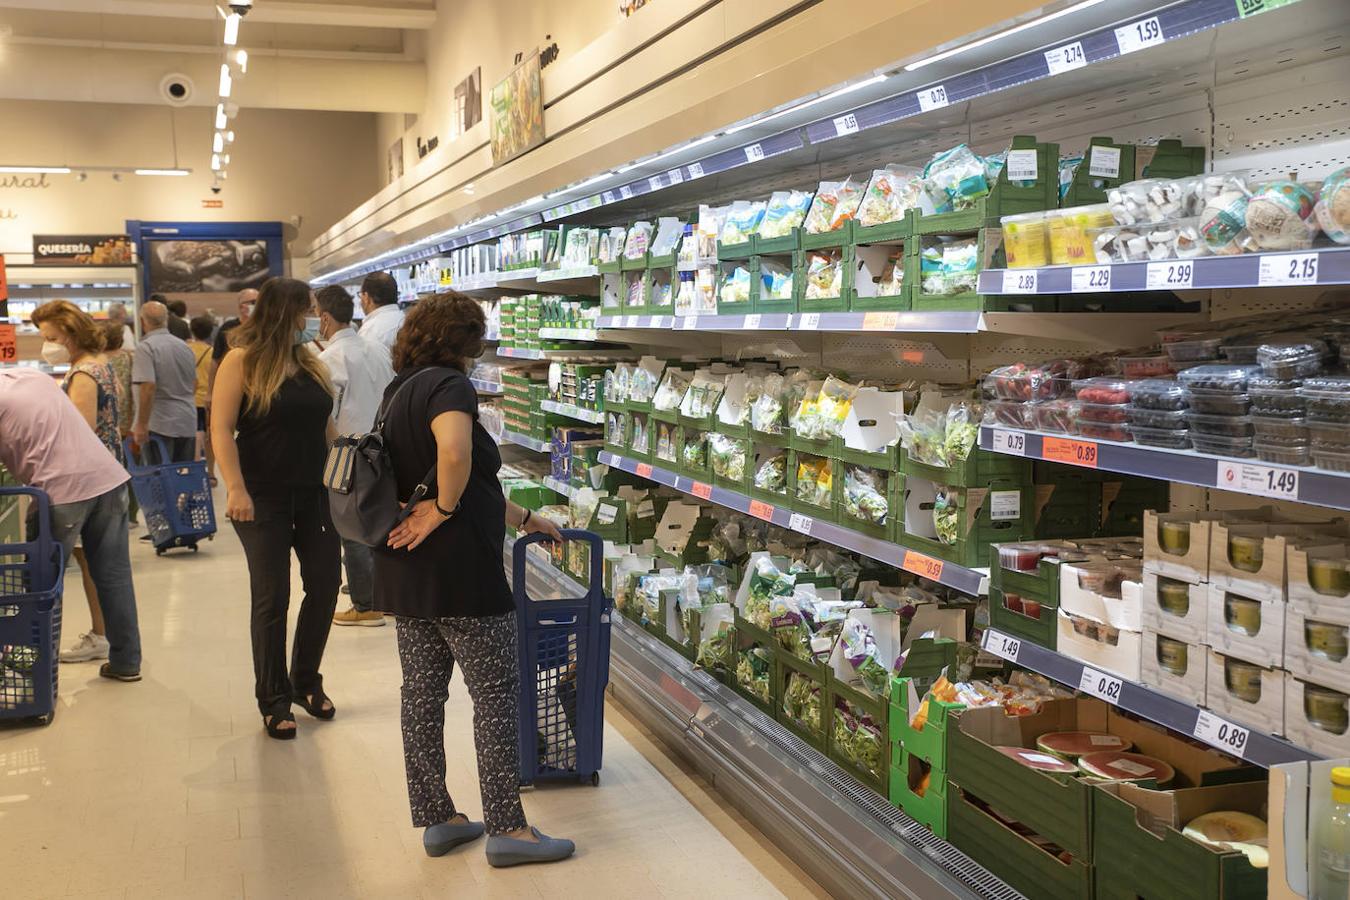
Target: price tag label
x=701, y=490
x=1139, y=35
x=654, y=182
x=1022, y=165
x=1288, y=268
x=754, y=153
x=809, y=321
x=1104, y=162
x=800, y=523
x=1066, y=58
x=688, y=323
x=1067, y=450
x=1019, y=281
x=846, y=124
x=9, y=344
x=752, y=321
x=1264, y=481
x=1099, y=684
x=761, y=510
x=880, y=321
x=675, y=176
x=625, y=193
x=1090, y=279
x=695, y=170
x=607, y=197
x=1002, y=646
x=924, y=566
x=932, y=98
x=644, y=470
x=1005, y=506
x=1219, y=732
x=1176, y=275
x=1010, y=442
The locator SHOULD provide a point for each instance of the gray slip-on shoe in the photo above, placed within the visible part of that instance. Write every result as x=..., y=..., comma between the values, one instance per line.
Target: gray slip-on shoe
x=439, y=840
x=503, y=851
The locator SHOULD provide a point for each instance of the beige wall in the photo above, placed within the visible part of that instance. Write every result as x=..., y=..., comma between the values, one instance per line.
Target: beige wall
x=311, y=165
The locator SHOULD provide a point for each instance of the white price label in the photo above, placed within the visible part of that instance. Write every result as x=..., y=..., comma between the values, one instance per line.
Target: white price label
x=1011, y=442
x=1221, y=733
x=625, y=193
x=1288, y=268
x=1066, y=58
x=846, y=124
x=632, y=321
x=607, y=197
x=1104, y=162
x=1005, y=505
x=688, y=323
x=1090, y=279
x=1174, y=275
x=1138, y=35
x=1022, y=165
x=654, y=182
x=675, y=176
x=606, y=515
x=800, y=523
x=695, y=170
x=809, y=321
x=1099, y=684
x=754, y=153
x=752, y=321
x=999, y=644
x=1019, y=281
x=932, y=98
x=1264, y=481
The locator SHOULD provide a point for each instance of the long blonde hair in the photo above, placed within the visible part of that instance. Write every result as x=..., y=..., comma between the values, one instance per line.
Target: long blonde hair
x=267, y=338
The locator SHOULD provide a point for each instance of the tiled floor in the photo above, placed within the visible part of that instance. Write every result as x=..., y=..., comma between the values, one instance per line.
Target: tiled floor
x=168, y=788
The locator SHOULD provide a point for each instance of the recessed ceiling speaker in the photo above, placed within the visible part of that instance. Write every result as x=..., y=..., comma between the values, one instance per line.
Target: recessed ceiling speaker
x=176, y=89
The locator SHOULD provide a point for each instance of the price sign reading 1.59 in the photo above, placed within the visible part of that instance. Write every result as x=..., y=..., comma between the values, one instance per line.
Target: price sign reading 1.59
x=695, y=170
x=1099, y=684
x=931, y=98
x=1138, y=35
x=999, y=644
x=1221, y=733
x=674, y=176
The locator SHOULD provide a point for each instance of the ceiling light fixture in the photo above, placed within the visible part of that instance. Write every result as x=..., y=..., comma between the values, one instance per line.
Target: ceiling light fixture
x=218, y=143
x=168, y=172
x=229, y=136
x=215, y=162
x=948, y=54
x=226, y=84
x=240, y=60
x=221, y=121
x=231, y=28
x=35, y=170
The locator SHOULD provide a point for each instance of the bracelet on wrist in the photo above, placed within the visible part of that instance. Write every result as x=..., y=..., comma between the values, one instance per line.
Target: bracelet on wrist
x=525, y=521
x=443, y=512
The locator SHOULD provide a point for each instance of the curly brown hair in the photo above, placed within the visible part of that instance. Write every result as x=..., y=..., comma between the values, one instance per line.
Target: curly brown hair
x=444, y=330
x=77, y=324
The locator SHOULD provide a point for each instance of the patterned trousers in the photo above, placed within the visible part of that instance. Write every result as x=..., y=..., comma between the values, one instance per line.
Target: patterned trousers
x=486, y=650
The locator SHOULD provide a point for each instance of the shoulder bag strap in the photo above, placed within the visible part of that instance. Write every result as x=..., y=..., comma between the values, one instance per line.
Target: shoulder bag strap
x=428, y=480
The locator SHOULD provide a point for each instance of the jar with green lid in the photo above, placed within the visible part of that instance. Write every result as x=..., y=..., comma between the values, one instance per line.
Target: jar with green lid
x=1243, y=679
x=1175, y=537
x=1326, y=640
x=1242, y=615
x=1327, y=709
x=1174, y=597
x=1329, y=576
x=1172, y=655
x=1246, y=552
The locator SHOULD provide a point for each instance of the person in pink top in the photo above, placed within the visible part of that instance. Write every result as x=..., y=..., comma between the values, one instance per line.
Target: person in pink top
x=46, y=443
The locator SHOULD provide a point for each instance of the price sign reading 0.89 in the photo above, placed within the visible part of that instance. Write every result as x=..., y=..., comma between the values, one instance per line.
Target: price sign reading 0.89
x=1066, y=450
x=1221, y=733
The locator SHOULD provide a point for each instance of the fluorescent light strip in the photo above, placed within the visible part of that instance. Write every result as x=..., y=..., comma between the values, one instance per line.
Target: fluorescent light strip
x=876, y=79
x=668, y=154
x=169, y=172
x=221, y=120
x=948, y=54
x=35, y=170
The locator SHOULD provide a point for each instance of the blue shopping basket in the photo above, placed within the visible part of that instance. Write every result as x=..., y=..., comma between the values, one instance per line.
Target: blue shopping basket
x=564, y=659
x=175, y=497
x=30, y=607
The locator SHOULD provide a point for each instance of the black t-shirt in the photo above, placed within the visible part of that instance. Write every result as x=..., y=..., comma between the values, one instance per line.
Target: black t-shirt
x=178, y=327
x=458, y=570
x=222, y=343
x=286, y=448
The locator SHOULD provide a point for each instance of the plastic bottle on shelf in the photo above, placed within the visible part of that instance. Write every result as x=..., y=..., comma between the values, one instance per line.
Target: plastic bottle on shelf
x=1331, y=843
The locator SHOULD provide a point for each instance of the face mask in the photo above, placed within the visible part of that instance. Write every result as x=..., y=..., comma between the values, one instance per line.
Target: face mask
x=55, y=354
x=309, y=332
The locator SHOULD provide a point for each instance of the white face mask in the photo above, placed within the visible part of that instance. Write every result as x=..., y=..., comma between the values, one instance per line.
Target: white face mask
x=54, y=354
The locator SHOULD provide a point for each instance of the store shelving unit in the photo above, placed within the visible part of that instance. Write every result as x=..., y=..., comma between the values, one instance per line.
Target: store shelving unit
x=969, y=581
x=521, y=353
x=486, y=387
x=562, y=487
x=524, y=440
x=569, y=334
x=572, y=411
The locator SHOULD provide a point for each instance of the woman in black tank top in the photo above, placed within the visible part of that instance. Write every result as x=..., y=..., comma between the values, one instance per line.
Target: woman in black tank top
x=271, y=423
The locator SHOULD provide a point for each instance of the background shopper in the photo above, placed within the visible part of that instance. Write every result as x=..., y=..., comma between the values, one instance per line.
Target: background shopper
x=379, y=302
x=200, y=345
x=165, y=373
x=275, y=393
x=117, y=315
x=178, y=323
x=360, y=371
x=47, y=444
x=70, y=336
x=121, y=360
x=443, y=578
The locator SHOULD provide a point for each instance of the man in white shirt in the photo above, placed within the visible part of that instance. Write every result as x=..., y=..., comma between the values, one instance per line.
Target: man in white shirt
x=379, y=302
x=118, y=313
x=360, y=370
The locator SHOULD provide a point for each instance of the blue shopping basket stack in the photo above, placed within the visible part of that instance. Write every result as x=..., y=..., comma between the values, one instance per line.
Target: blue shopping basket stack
x=176, y=499
x=30, y=609
x=564, y=659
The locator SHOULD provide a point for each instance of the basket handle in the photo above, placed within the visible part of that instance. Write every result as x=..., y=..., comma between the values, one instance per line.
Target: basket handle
x=569, y=534
x=130, y=449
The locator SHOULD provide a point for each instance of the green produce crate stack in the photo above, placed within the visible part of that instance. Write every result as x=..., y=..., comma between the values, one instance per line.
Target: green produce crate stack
x=876, y=249
x=838, y=245
x=754, y=672
x=1169, y=160
x=798, y=492
x=981, y=468
x=1025, y=618
x=762, y=453
x=726, y=268
x=919, y=755
x=805, y=697
x=983, y=515
x=891, y=487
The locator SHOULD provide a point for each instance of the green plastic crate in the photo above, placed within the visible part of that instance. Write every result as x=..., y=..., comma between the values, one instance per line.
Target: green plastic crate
x=747, y=640
x=792, y=670
x=888, y=481
x=1086, y=188
x=837, y=303
x=931, y=808
x=731, y=252
x=639, y=421
x=1042, y=631
x=724, y=271
x=829, y=513
x=876, y=255
x=931, y=742
x=787, y=245
x=1004, y=198
x=856, y=702
x=980, y=469
x=741, y=446
x=971, y=548
x=764, y=304
x=691, y=435
x=762, y=452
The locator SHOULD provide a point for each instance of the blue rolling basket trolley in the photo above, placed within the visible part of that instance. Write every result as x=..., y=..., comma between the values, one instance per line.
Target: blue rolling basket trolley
x=30, y=607
x=564, y=659
x=176, y=499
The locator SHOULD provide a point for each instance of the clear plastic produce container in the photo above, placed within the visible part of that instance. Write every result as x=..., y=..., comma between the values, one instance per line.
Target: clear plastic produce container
x=1331, y=435
x=1292, y=358
x=1163, y=419
x=1145, y=366
x=1291, y=453
x=1198, y=349
x=1100, y=431
x=1058, y=416
x=1026, y=240
x=1217, y=378
x=1013, y=413
x=1104, y=413
x=1167, y=438
x=1222, y=445
x=1103, y=389
x=1280, y=428
x=1331, y=460
x=1159, y=394
x=1071, y=232
x=1276, y=397
x=1220, y=404
x=1228, y=426
x=1328, y=398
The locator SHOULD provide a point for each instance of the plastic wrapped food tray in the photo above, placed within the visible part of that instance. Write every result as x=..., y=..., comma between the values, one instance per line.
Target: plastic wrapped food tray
x=1145, y=366
x=1159, y=394
x=1292, y=453
x=1163, y=419
x=1276, y=397
x=1329, y=435
x=1220, y=404
x=1104, y=432
x=1328, y=398
x=1168, y=438
x=1196, y=350
x=1022, y=382
x=1021, y=557
x=1293, y=358
x=1219, y=378
x=1104, y=390
x=1058, y=416
x=1012, y=413
x=1280, y=428
x=1228, y=426
x=1331, y=460
x=1221, y=445
x=1104, y=413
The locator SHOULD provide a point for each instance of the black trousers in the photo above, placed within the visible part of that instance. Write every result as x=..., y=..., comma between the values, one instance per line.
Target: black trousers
x=181, y=449
x=283, y=520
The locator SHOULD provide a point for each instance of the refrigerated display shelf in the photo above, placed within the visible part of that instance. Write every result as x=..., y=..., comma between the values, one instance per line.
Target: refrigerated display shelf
x=968, y=581
x=1250, y=744
x=569, y=334
x=486, y=387
x=524, y=440
x=572, y=411
x=1244, y=476
x=520, y=353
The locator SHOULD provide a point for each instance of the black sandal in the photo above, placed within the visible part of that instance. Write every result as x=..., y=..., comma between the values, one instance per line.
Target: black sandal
x=313, y=704
x=272, y=725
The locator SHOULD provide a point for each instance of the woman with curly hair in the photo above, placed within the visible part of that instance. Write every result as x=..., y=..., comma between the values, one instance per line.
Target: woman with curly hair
x=270, y=426
x=442, y=577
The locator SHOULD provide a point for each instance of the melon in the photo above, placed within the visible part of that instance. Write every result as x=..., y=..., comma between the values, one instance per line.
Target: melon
x=1073, y=744
x=1119, y=766
x=1226, y=830
x=1034, y=759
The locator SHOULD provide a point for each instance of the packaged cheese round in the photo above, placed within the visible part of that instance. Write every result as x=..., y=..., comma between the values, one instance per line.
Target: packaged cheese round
x=1120, y=766
x=1333, y=207
x=1280, y=216
x=1073, y=744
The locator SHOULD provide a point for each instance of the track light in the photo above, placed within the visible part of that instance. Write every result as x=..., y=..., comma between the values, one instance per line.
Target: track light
x=221, y=121
x=82, y=176
x=229, y=136
x=35, y=170
x=232, y=29
x=241, y=61
x=167, y=172
x=215, y=162
x=218, y=143
x=226, y=84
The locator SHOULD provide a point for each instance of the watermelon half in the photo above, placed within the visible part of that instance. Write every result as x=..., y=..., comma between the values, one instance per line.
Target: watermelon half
x=1118, y=766
x=1034, y=759
x=1073, y=744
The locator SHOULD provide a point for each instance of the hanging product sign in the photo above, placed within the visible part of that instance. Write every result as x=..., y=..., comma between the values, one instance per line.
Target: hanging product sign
x=82, y=250
x=517, y=111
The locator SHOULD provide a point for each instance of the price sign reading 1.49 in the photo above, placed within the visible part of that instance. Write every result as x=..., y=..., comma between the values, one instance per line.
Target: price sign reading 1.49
x=999, y=644
x=1263, y=481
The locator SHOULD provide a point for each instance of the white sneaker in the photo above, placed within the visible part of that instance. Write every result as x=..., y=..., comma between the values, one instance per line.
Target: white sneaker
x=89, y=647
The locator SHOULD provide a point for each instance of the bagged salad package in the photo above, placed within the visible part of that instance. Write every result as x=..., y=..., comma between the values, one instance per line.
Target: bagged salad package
x=735, y=286
x=955, y=179
x=638, y=241
x=865, y=495
x=940, y=437
x=674, y=385
x=786, y=211
x=835, y=203
x=772, y=473
x=742, y=220
x=824, y=274
x=822, y=415
x=891, y=193
x=766, y=583
x=729, y=456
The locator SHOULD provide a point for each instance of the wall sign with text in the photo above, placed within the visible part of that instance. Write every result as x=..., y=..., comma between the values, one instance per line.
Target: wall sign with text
x=82, y=250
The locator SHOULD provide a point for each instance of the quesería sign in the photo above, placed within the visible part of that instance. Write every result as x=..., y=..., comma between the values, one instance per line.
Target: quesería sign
x=82, y=250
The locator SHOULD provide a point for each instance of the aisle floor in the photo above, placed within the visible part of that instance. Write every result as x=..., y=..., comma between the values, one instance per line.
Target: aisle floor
x=168, y=788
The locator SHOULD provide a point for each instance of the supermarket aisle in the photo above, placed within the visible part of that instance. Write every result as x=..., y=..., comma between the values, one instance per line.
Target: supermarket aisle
x=168, y=788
